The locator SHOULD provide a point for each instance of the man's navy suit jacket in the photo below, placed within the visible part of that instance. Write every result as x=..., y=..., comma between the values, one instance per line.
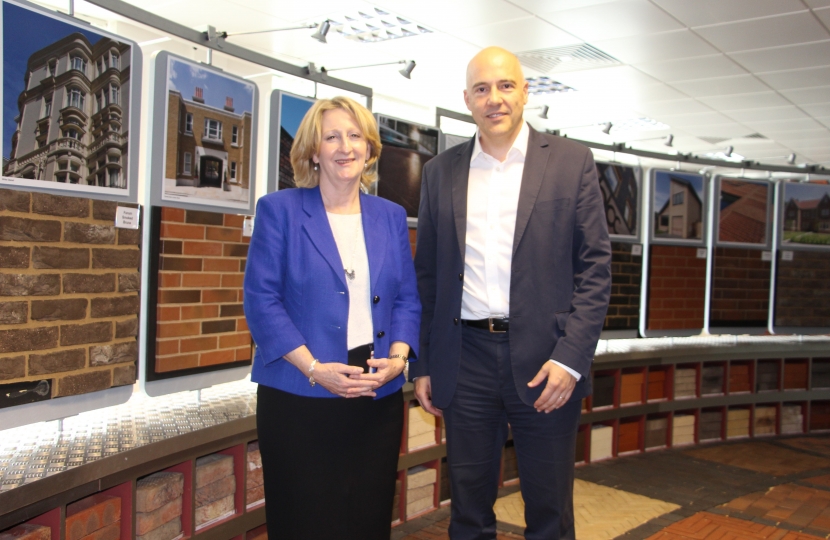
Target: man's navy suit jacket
x=560, y=279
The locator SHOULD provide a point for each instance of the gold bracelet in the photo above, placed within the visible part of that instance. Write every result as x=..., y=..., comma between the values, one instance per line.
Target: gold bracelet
x=402, y=357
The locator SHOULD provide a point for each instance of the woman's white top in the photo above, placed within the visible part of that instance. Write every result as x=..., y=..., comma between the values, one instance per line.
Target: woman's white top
x=348, y=234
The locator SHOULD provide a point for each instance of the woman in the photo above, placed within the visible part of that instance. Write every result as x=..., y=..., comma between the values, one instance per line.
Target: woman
x=332, y=304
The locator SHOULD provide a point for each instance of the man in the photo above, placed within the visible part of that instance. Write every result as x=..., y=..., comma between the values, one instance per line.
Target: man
x=513, y=264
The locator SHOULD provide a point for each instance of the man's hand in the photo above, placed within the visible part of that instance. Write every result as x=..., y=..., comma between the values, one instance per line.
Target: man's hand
x=423, y=391
x=557, y=391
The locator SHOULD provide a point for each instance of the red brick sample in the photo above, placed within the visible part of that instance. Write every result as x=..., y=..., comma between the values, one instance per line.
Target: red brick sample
x=86, y=516
x=27, y=531
x=159, y=488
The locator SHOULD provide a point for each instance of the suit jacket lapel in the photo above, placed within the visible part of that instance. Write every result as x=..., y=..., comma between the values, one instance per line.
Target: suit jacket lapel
x=317, y=227
x=536, y=161
x=460, y=177
x=376, y=237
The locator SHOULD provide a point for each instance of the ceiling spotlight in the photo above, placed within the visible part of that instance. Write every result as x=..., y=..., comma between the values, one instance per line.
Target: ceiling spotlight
x=728, y=151
x=543, y=114
x=669, y=140
x=322, y=30
x=606, y=127
x=791, y=159
x=407, y=71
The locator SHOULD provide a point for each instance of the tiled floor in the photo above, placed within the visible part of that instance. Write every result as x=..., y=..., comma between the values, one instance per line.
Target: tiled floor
x=776, y=489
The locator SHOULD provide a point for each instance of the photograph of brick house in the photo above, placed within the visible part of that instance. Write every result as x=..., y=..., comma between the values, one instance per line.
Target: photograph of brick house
x=292, y=109
x=678, y=199
x=209, y=132
x=618, y=184
x=66, y=100
x=743, y=211
x=806, y=213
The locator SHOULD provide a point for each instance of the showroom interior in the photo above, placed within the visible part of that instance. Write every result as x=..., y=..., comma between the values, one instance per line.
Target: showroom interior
x=138, y=137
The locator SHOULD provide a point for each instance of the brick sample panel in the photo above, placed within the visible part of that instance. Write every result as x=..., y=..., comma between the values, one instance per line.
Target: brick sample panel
x=199, y=320
x=27, y=531
x=89, y=515
x=159, y=503
x=676, y=288
x=802, y=290
x=740, y=288
x=254, y=484
x=626, y=273
x=215, y=487
x=420, y=489
x=69, y=296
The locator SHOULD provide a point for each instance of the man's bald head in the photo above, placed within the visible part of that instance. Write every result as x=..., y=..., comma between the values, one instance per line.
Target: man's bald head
x=493, y=57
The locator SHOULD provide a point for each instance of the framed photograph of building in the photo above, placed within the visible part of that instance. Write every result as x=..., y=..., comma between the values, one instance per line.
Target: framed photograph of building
x=805, y=215
x=406, y=149
x=742, y=214
x=620, y=194
x=70, y=93
x=678, y=208
x=287, y=111
x=204, y=137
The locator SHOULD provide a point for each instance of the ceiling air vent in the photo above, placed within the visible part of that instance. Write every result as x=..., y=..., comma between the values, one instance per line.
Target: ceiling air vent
x=568, y=58
x=714, y=140
x=754, y=136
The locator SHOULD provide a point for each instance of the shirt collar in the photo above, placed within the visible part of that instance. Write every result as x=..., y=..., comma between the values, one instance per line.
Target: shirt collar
x=519, y=145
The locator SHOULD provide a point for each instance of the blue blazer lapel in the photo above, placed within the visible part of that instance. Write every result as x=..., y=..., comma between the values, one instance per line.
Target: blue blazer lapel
x=460, y=179
x=376, y=236
x=536, y=161
x=316, y=226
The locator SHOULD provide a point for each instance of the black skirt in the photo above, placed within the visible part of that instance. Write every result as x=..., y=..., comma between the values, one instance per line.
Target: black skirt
x=329, y=464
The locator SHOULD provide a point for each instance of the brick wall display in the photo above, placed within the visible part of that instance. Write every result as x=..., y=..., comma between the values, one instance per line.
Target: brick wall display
x=626, y=272
x=802, y=290
x=740, y=288
x=676, y=288
x=69, y=297
x=199, y=321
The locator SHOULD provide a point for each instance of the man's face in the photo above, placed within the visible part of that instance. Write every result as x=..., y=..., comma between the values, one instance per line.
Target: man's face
x=496, y=95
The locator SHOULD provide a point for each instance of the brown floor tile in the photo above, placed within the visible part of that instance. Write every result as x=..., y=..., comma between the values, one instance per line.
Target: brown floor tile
x=707, y=526
x=796, y=506
x=823, y=480
x=819, y=445
x=760, y=457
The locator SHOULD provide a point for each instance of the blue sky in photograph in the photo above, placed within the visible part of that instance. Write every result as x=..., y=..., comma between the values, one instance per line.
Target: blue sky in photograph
x=185, y=77
x=24, y=33
x=661, y=186
x=292, y=112
x=805, y=192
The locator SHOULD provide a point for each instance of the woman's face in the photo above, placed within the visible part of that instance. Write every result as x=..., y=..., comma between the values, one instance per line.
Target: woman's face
x=343, y=149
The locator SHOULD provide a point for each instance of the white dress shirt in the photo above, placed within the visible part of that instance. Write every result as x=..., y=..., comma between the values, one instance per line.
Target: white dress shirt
x=493, y=190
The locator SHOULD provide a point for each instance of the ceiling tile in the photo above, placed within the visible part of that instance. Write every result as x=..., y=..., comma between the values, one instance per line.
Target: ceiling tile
x=613, y=20
x=768, y=32
x=799, y=78
x=807, y=96
x=738, y=102
x=703, y=67
x=654, y=93
x=685, y=121
x=813, y=136
x=524, y=34
x=657, y=109
x=548, y=6
x=824, y=15
x=656, y=47
x=740, y=84
x=791, y=124
x=702, y=12
x=781, y=58
x=727, y=131
x=767, y=114
x=440, y=14
x=818, y=3
x=294, y=12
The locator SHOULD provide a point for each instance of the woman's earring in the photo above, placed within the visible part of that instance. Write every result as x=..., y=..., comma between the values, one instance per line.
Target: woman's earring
x=316, y=166
x=365, y=164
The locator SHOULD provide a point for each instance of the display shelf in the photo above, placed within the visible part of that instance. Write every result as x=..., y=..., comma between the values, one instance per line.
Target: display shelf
x=259, y=533
x=741, y=376
x=606, y=389
x=220, y=507
x=819, y=416
x=254, y=481
x=51, y=519
x=820, y=373
x=420, y=489
x=163, y=491
x=796, y=374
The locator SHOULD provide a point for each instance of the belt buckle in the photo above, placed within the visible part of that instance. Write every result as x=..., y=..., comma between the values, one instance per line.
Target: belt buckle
x=492, y=330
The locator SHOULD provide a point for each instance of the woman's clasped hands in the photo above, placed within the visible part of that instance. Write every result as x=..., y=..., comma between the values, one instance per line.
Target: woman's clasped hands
x=351, y=381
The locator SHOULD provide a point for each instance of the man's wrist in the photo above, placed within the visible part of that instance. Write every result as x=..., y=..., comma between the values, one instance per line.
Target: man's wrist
x=575, y=374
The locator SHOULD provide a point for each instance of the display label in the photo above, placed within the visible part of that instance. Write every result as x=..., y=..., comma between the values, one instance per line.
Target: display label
x=786, y=255
x=766, y=255
x=637, y=249
x=248, y=226
x=126, y=218
x=701, y=253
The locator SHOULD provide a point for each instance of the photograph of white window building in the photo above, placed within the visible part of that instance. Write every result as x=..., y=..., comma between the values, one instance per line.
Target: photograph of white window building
x=209, y=136
x=678, y=199
x=65, y=102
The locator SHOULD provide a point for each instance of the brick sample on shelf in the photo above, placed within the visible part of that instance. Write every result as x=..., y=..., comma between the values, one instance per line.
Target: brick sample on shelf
x=254, y=484
x=802, y=290
x=792, y=419
x=27, y=531
x=820, y=373
x=216, y=482
x=711, y=380
x=740, y=288
x=765, y=418
x=739, y=380
x=795, y=374
x=656, y=384
x=631, y=390
x=156, y=490
x=69, y=296
x=656, y=432
x=683, y=429
x=601, y=442
x=711, y=425
x=767, y=376
x=628, y=439
x=88, y=515
x=737, y=423
x=169, y=530
x=603, y=395
x=685, y=383
x=676, y=288
x=196, y=308
x=626, y=271
x=260, y=533
x=421, y=428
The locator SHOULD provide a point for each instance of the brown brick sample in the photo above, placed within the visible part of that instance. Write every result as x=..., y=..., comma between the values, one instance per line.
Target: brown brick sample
x=27, y=531
x=802, y=290
x=211, y=468
x=110, y=532
x=199, y=316
x=168, y=531
x=740, y=288
x=677, y=284
x=147, y=521
x=58, y=297
x=626, y=272
x=214, y=510
x=154, y=491
x=215, y=490
x=90, y=514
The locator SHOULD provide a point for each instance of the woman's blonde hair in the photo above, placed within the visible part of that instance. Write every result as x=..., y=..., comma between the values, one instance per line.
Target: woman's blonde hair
x=310, y=135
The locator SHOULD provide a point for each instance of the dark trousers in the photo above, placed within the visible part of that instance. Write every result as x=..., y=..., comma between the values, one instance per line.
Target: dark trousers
x=485, y=401
x=329, y=465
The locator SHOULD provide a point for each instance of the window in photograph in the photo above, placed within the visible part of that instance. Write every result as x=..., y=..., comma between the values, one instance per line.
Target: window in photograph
x=187, y=166
x=188, y=123
x=213, y=129
x=233, y=170
x=235, y=136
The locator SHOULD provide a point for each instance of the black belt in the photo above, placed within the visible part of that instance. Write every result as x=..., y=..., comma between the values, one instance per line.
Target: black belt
x=495, y=326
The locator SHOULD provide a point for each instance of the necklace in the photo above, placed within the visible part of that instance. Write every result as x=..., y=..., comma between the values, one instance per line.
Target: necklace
x=351, y=273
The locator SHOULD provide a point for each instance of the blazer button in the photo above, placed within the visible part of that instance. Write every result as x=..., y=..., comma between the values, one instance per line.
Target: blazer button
x=455, y=322
x=381, y=333
x=376, y=299
x=460, y=277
